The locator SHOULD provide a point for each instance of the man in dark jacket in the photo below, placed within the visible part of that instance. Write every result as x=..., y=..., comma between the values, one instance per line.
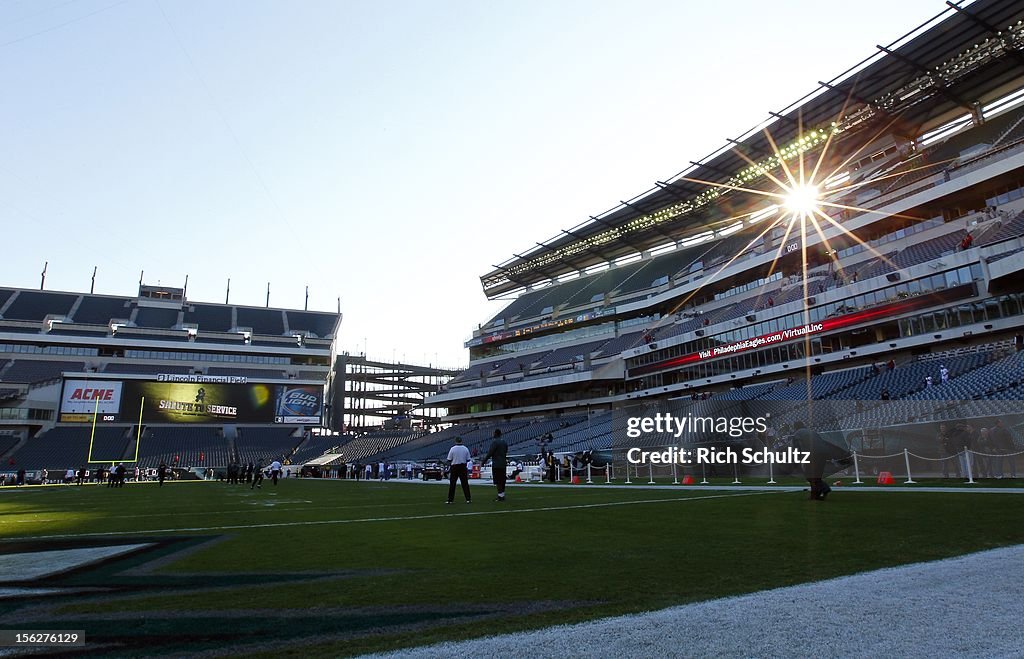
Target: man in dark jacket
x=806, y=439
x=551, y=465
x=257, y=475
x=498, y=455
x=962, y=436
x=950, y=451
x=1002, y=444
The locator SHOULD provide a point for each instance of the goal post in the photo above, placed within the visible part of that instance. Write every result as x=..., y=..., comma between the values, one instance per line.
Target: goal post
x=92, y=438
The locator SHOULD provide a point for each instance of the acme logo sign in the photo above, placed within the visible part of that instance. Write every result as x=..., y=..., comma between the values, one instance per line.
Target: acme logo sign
x=92, y=394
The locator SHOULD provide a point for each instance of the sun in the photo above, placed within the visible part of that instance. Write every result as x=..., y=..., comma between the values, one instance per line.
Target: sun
x=799, y=189
x=802, y=199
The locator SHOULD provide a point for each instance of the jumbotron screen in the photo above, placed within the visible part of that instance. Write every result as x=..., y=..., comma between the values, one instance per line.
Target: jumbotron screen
x=116, y=401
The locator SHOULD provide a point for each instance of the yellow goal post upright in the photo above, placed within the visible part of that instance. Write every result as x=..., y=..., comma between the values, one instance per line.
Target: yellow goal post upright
x=92, y=436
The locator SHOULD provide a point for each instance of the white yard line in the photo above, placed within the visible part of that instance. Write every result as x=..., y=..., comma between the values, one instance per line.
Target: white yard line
x=401, y=518
x=742, y=488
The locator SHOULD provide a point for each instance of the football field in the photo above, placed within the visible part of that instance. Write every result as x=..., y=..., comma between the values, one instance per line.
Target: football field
x=328, y=568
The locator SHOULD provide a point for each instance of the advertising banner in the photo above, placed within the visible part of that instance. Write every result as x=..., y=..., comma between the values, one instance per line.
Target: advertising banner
x=80, y=399
x=117, y=401
x=181, y=402
x=875, y=314
x=298, y=404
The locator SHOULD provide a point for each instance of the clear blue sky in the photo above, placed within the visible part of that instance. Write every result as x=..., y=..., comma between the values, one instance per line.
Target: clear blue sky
x=388, y=152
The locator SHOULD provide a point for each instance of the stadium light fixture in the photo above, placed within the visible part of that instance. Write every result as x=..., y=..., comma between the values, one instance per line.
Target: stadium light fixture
x=728, y=231
x=838, y=179
x=763, y=214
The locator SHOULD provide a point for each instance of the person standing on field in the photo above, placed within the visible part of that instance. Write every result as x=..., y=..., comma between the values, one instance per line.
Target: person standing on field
x=498, y=455
x=808, y=440
x=257, y=475
x=458, y=458
x=1002, y=443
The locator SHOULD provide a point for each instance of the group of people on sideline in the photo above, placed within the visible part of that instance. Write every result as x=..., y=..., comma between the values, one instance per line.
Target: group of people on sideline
x=982, y=453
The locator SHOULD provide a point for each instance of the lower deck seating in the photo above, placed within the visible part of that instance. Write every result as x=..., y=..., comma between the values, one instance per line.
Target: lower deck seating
x=265, y=444
x=7, y=442
x=371, y=445
x=316, y=445
x=67, y=447
x=183, y=446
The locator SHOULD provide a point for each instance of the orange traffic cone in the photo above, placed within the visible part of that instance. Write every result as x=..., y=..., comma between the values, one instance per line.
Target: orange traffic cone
x=687, y=480
x=575, y=480
x=518, y=479
x=885, y=478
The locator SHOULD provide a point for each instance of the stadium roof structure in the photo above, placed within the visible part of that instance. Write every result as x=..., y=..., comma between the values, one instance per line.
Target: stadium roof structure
x=152, y=310
x=966, y=55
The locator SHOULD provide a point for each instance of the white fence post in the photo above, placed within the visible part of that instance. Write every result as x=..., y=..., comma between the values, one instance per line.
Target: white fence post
x=736, y=474
x=703, y=475
x=650, y=473
x=608, y=473
x=771, y=474
x=906, y=459
x=628, y=481
x=589, y=479
x=675, y=475
x=856, y=470
x=967, y=461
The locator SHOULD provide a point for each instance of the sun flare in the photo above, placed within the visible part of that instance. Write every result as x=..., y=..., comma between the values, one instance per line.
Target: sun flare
x=803, y=199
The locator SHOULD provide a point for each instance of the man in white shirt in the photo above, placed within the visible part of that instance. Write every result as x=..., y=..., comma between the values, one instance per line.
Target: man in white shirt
x=275, y=471
x=458, y=457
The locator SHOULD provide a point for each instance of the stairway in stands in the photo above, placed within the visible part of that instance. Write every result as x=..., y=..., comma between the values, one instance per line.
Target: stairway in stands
x=133, y=434
x=230, y=435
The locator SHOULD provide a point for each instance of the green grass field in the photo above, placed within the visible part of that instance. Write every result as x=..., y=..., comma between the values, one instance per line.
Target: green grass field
x=333, y=568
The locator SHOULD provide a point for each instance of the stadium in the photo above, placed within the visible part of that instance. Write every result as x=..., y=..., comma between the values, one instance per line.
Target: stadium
x=78, y=370
x=844, y=280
